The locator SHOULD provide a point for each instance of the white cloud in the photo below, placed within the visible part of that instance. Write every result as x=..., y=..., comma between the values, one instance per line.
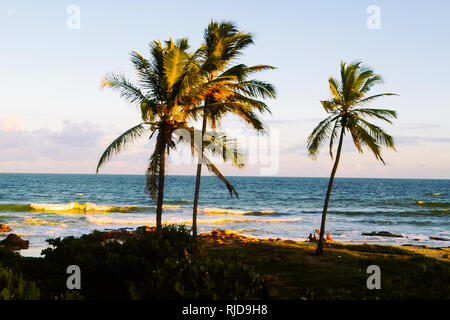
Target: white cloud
x=76, y=147
x=11, y=11
x=10, y=123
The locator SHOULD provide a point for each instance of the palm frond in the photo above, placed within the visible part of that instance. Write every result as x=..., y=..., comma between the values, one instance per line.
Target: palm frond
x=334, y=88
x=370, y=82
x=213, y=169
x=127, y=89
x=216, y=144
x=362, y=138
x=383, y=114
x=333, y=135
x=330, y=106
x=371, y=98
x=119, y=143
x=174, y=63
x=377, y=133
x=242, y=71
x=219, y=144
x=255, y=88
x=319, y=134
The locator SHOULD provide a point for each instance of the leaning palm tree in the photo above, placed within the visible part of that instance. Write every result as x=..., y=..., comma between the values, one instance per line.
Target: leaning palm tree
x=349, y=112
x=162, y=94
x=225, y=87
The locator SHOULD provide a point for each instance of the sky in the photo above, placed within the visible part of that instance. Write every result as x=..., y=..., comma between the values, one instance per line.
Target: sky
x=54, y=118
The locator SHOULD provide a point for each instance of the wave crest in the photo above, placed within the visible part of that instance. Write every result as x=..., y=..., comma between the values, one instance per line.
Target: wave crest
x=236, y=212
x=72, y=207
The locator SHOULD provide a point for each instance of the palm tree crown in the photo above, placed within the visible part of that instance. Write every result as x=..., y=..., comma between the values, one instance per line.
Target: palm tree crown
x=226, y=87
x=161, y=94
x=348, y=113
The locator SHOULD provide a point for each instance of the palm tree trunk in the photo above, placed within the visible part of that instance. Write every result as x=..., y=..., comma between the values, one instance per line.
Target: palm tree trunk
x=327, y=198
x=159, y=203
x=197, y=182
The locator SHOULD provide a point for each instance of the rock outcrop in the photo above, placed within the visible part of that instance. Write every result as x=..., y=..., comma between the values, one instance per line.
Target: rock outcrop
x=383, y=234
x=4, y=228
x=439, y=238
x=14, y=242
x=225, y=237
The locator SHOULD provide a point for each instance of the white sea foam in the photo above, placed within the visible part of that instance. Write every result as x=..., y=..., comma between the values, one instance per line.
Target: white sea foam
x=169, y=206
x=151, y=221
x=31, y=221
x=232, y=211
x=75, y=207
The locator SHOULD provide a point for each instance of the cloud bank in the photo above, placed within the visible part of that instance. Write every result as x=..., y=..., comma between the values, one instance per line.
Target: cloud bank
x=77, y=147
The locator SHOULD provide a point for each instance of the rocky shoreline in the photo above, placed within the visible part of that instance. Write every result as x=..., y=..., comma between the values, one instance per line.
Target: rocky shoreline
x=16, y=243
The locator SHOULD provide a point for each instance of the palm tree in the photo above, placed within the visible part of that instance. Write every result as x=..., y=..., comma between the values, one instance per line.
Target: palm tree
x=225, y=88
x=348, y=113
x=162, y=94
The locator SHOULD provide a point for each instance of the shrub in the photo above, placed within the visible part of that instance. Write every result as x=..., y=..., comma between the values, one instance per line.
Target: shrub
x=13, y=287
x=147, y=267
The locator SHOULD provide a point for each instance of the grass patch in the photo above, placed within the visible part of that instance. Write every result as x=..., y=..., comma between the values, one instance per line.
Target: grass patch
x=293, y=271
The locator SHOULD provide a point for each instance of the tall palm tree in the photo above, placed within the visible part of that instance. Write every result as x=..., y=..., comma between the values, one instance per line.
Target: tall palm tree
x=225, y=87
x=349, y=113
x=162, y=94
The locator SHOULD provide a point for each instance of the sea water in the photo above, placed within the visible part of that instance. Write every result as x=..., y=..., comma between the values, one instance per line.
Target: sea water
x=43, y=206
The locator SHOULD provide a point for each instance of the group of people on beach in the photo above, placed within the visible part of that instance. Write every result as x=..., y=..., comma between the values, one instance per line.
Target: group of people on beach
x=312, y=236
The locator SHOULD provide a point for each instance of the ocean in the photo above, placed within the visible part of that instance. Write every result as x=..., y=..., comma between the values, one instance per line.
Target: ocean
x=42, y=206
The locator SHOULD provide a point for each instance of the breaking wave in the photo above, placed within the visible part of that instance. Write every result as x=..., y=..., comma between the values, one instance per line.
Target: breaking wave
x=151, y=221
x=170, y=206
x=72, y=207
x=236, y=212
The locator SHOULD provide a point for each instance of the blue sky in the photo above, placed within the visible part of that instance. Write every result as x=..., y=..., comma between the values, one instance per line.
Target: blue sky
x=54, y=117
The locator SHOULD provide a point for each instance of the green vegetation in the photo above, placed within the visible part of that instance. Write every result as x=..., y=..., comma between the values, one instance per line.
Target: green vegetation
x=141, y=267
x=219, y=266
x=345, y=116
x=293, y=271
x=13, y=287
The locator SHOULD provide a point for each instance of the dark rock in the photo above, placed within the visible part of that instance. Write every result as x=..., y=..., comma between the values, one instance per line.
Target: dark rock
x=122, y=234
x=383, y=234
x=144, y=229
x=439, y=239
x=4, y=228
x=14, y=242
x=119, y=234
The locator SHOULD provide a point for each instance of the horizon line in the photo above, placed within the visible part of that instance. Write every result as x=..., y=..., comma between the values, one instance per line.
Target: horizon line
x=209, y=175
